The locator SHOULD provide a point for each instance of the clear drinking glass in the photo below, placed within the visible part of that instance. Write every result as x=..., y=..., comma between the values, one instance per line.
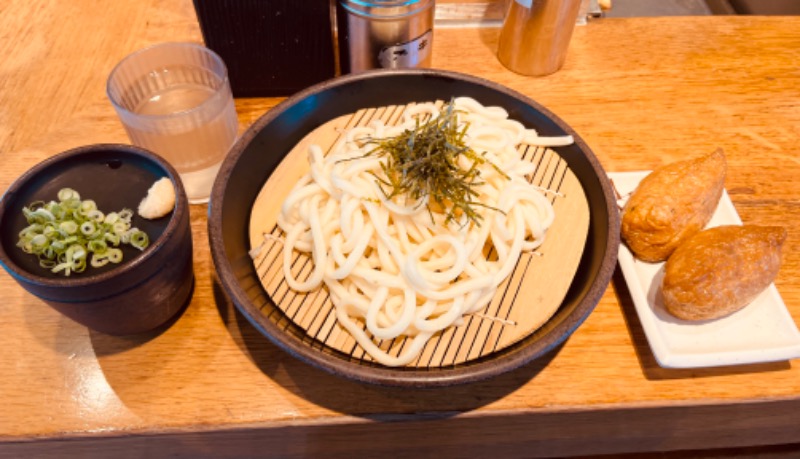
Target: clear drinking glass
x=175, y=99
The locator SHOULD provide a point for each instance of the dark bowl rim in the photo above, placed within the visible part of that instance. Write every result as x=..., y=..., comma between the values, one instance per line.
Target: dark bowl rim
x=90, y=279
x=512, y=357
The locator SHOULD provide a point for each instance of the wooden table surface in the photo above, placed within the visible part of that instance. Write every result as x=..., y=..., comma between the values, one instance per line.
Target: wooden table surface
x=642, y=92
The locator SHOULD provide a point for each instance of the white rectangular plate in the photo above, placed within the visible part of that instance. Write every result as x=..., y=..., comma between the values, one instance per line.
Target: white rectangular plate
x=763, y=331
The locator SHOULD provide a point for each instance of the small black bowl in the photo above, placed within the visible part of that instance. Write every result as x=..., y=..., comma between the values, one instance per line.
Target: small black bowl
x=261, y=148
x=148, y=287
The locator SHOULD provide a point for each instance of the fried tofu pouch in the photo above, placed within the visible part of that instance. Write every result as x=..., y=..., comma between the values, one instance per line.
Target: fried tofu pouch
x=671, y=204
x=721, y=270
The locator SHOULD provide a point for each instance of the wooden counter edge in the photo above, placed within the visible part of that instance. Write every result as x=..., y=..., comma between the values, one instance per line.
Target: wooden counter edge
x=507, y=435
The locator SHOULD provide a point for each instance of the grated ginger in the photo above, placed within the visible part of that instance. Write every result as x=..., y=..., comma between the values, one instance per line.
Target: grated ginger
x=159, y=201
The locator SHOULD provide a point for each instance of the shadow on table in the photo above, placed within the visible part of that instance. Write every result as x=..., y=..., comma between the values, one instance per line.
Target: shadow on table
x=104, y=344
x=650, y=367
x=360, y=399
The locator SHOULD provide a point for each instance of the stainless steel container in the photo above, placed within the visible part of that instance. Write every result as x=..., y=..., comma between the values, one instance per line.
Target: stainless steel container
x=384, y=34
x=536, y=34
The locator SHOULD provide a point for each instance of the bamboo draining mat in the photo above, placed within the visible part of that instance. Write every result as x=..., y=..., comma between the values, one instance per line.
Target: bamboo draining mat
x=523, y=302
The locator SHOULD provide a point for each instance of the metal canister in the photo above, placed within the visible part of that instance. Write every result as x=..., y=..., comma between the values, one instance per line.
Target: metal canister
x=384, y=34
x=536, y=34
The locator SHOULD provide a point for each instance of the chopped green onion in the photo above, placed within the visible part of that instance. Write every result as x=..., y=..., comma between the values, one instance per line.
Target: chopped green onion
x=97, y=246
x=88, y=206
x=99, y=260
x=57, y=211
x=126, y=215
x=96, y=215
x=139, y=239
x=69, y=234
x=66, y=227
x=47, y=263
x=44, y=214
x=114, y=255
x=65, y=194
x=87, y=228
x=39, y=240
x=113, y=238
x=111, y=218
x=58, y=246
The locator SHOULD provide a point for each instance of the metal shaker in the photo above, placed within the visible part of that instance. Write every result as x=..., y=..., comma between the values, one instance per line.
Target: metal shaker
x=536, y=34
x=384, y=34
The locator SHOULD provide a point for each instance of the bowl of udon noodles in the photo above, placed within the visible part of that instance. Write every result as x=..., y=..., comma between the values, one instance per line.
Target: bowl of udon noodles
x=415, y=228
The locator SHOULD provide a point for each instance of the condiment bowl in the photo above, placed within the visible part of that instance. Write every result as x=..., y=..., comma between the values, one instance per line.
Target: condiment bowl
x=144, y=290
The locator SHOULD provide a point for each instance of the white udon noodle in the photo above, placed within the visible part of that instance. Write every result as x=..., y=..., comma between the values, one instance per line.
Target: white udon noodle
x=388, y=267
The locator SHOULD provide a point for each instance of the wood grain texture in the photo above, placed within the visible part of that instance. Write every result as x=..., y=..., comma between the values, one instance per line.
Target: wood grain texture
x=211, y=385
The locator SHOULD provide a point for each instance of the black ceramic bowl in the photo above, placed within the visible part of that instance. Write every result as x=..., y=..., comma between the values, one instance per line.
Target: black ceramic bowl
x=262, y=147
x=143, y=291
